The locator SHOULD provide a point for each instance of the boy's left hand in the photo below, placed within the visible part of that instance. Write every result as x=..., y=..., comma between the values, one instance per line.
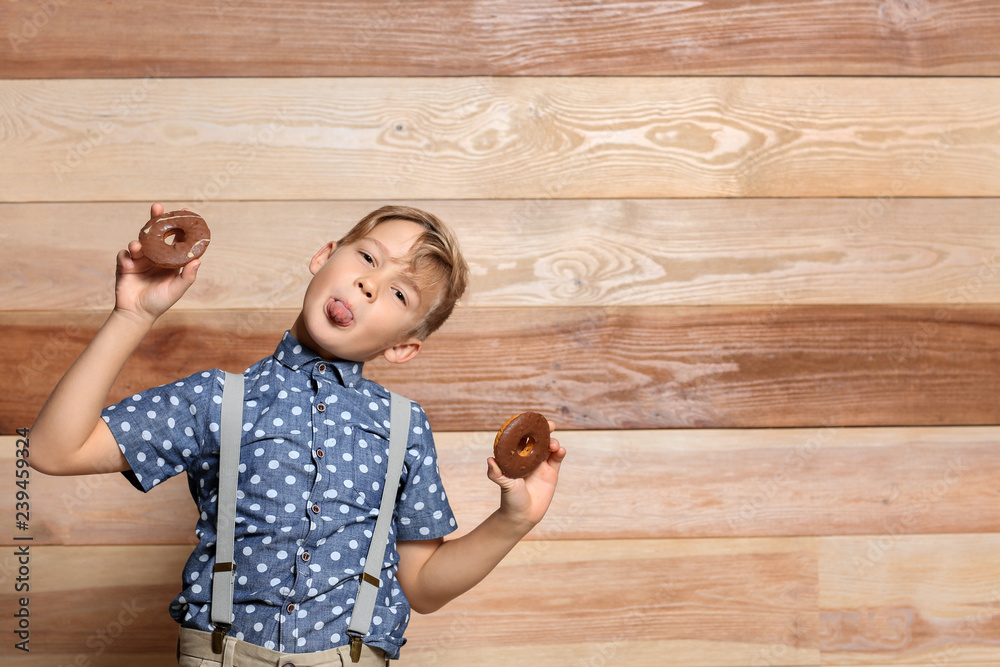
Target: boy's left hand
x=527, y=499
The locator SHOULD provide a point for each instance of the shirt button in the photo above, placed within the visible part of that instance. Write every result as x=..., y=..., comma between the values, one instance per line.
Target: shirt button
x=321, y=368
x=315, y=509
x=320, y=454
x=321, y=408
x=305, y=556
x=290, y=608
x=288, y=664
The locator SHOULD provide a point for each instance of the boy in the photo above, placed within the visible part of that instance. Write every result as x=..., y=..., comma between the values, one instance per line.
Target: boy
x=313, y=449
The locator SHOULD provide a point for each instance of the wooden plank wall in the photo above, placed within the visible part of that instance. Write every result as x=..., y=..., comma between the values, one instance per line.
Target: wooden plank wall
x=744, y=253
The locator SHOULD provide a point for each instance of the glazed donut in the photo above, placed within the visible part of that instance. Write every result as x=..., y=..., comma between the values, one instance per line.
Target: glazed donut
x=522, y=444
x=190, y=237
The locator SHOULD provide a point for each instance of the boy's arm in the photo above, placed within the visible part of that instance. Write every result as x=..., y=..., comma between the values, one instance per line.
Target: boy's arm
x=69, y=437
x=433, y=572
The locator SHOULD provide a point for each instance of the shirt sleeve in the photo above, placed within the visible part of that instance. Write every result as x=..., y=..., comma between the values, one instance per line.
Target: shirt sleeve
x=424, y=512
x=165, y=430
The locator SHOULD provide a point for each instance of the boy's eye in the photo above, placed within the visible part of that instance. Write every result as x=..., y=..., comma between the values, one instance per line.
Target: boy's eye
x=367, y=258
x=400, y=296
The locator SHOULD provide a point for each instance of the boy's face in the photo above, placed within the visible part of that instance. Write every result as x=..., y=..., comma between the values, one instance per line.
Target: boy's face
x=361, y=301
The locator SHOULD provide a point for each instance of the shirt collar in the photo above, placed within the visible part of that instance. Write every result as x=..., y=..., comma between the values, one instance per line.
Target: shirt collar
x=296, y=356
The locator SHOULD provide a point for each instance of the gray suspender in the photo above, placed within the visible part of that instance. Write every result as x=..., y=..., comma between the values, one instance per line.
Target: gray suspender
x=364, y=604
x=230, y=432
x=224, y=574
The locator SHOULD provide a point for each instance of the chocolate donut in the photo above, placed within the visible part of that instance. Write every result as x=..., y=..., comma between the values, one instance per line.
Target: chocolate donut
x=522, y=444
x=186, y=232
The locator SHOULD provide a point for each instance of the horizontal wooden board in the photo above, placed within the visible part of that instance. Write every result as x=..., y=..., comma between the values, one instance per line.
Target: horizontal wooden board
x=893, y=599
x=498, y=37
x=779, y=252
x=649, y=602
x=597, y=368
x=695, y=483
x=925, y=600
x=698, y=601
x=203, y=140
x=101, y=603
x=98, y=509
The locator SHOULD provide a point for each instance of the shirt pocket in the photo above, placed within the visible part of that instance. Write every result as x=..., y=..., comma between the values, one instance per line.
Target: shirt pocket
x=370, y=454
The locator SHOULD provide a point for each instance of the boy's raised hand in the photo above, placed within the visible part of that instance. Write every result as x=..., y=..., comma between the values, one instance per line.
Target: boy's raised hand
x=528, y=498
x=145, y=290
x=69, y=437
x=432, y=572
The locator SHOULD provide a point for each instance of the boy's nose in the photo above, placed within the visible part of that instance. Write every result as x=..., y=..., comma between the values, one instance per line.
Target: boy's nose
x=366, y=289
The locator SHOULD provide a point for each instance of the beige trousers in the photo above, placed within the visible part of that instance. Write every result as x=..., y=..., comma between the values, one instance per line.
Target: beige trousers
x=195, y=650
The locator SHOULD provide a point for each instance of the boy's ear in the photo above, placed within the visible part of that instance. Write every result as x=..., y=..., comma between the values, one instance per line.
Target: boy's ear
x=403, y=352
x=319, y=259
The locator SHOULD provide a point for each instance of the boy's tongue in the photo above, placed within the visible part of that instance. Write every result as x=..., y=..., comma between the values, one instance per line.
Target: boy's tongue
x=339, y=313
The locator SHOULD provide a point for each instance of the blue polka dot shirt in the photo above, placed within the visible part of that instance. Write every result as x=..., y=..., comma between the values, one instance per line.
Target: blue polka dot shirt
x=313, y=461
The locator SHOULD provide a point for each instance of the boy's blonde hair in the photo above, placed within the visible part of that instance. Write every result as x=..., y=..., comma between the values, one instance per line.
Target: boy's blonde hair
x=435, y=261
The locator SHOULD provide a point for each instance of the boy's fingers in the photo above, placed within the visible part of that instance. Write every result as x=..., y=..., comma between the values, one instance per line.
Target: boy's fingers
x=496, y=475
x=130, y=257
x=182, y=280
x=190, y=272
x=124, y=260
x=556, y=454
x=556, y=449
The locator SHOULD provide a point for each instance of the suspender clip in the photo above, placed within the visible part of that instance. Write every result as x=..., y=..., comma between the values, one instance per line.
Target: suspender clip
x=219, y=636
x=355, y=646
